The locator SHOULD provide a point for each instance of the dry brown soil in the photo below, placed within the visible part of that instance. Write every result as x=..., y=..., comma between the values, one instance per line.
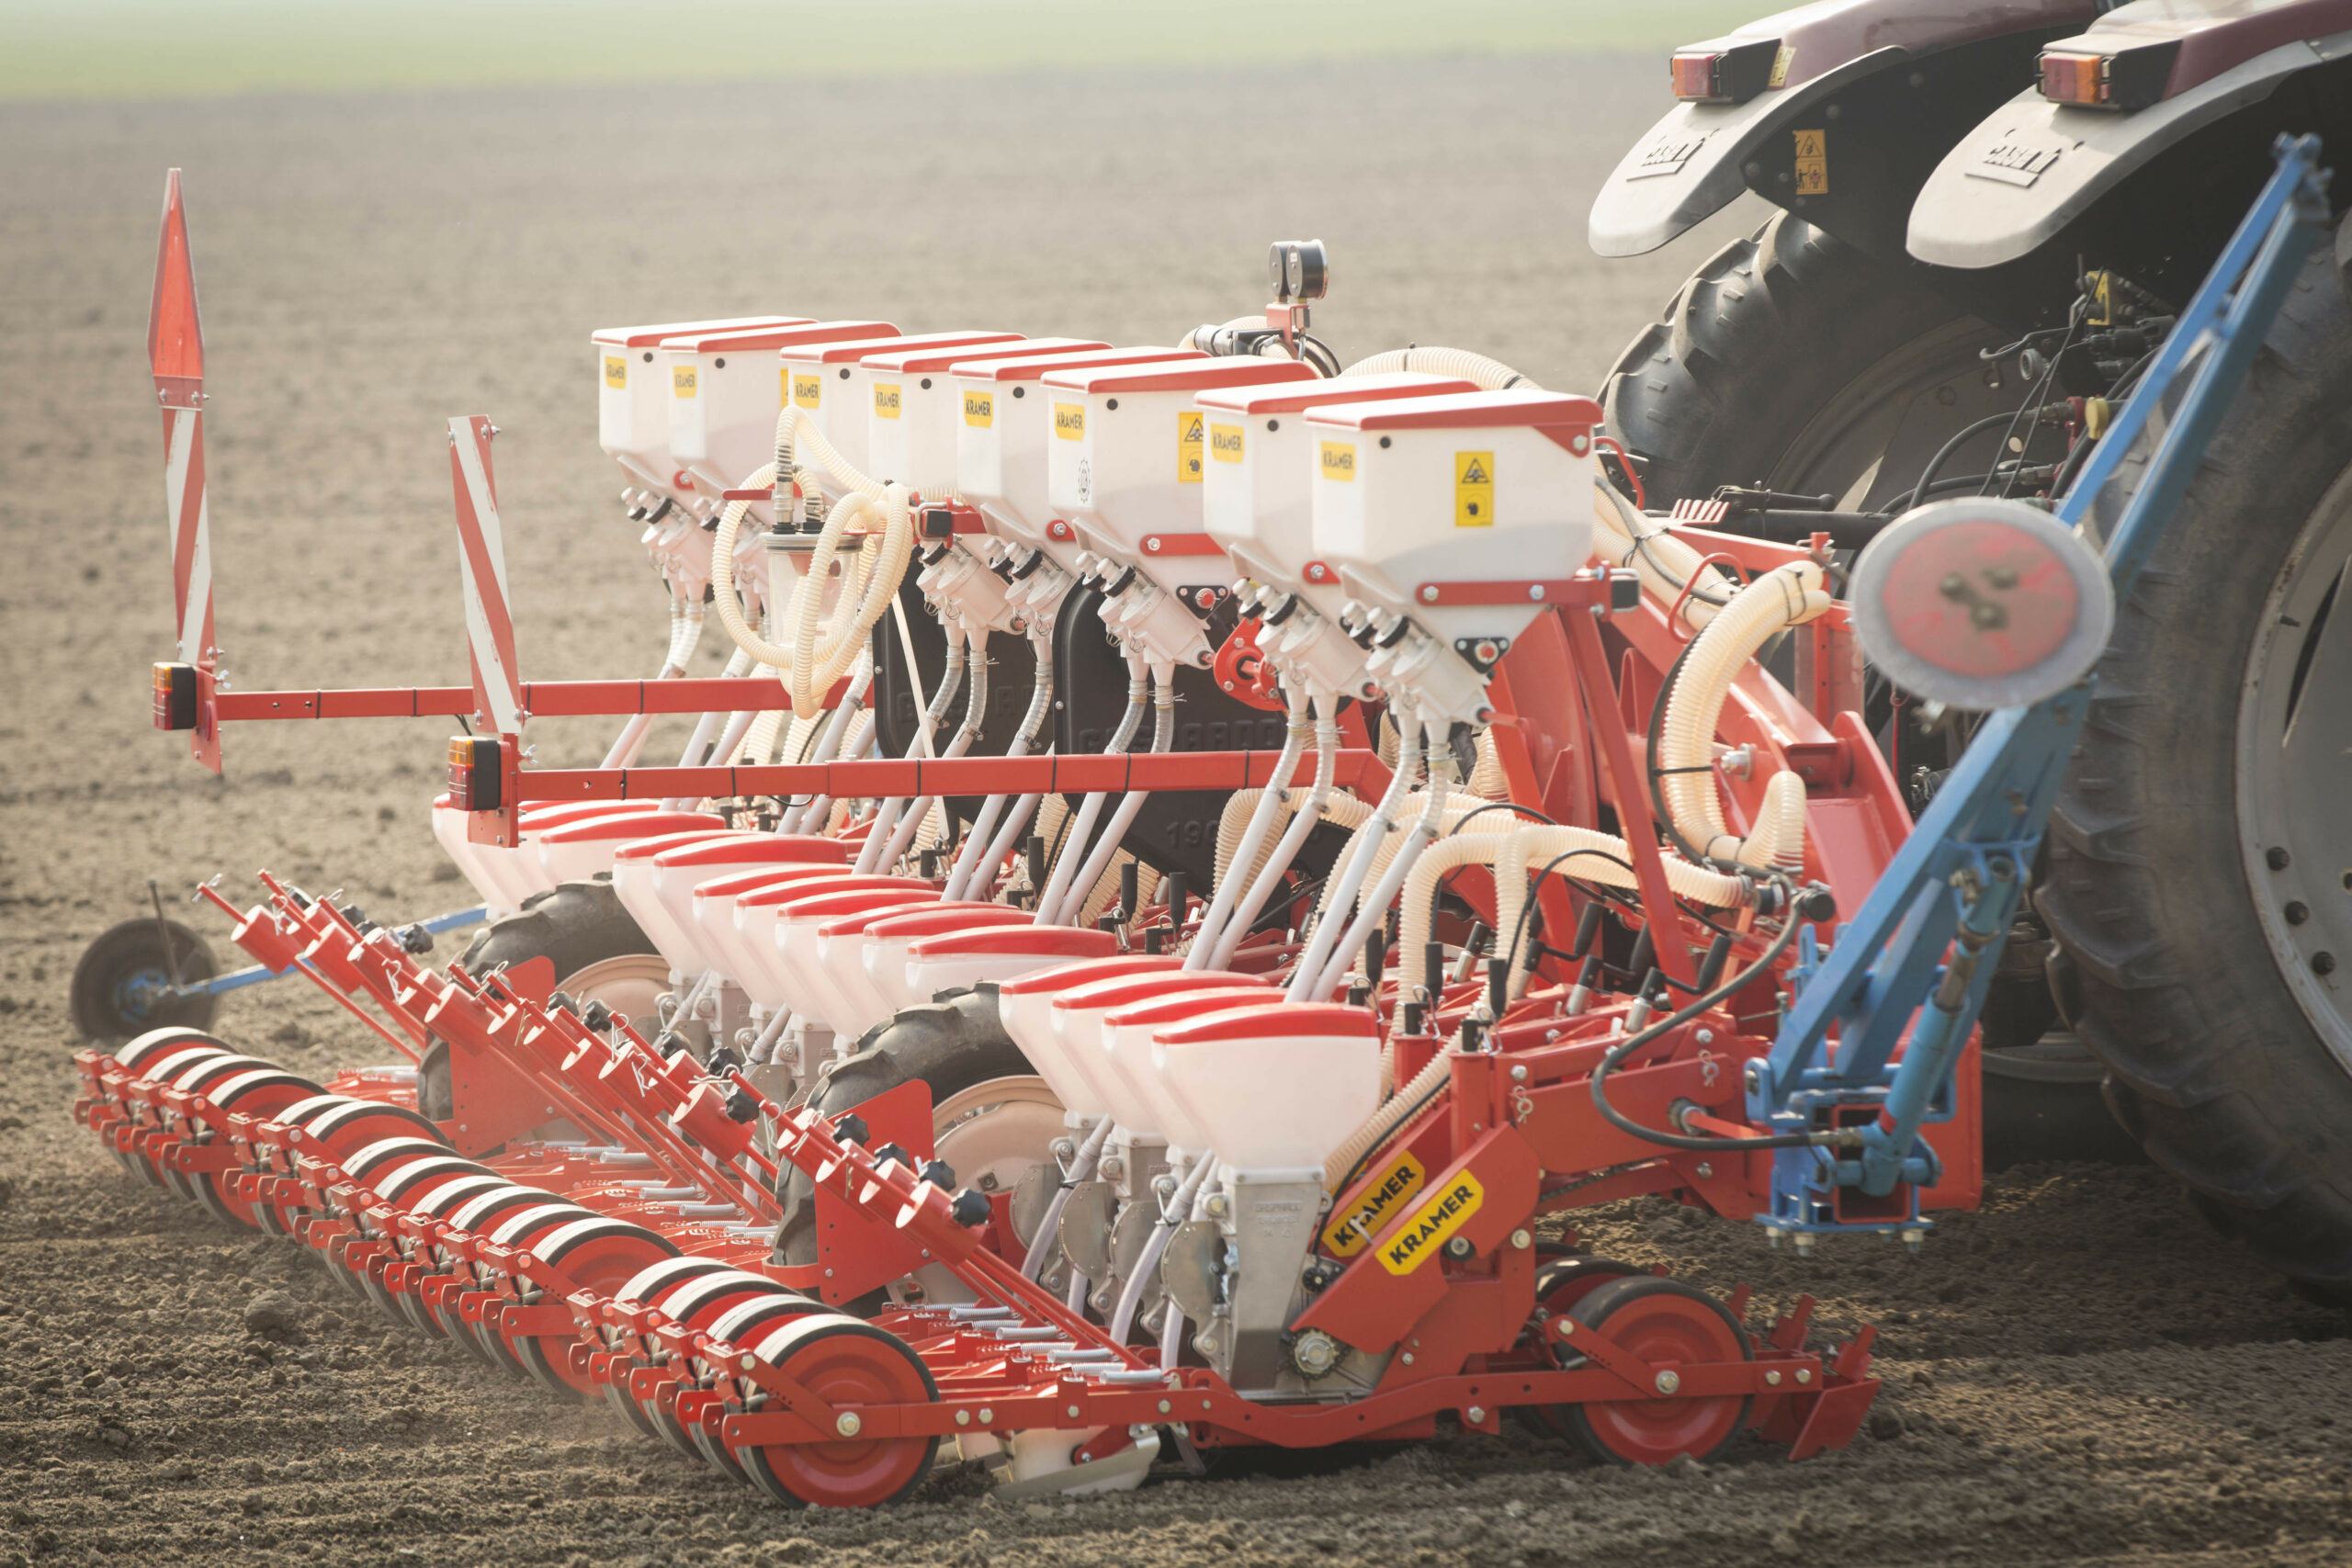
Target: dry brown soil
x=2079, y=1372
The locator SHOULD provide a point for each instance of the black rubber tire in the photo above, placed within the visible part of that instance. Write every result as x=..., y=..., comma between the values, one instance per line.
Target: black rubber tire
x=1758, y=345
x=1759, y=340
x=94, y=998
x=572, y=925
x=2211, y=1064
x=951, y=1044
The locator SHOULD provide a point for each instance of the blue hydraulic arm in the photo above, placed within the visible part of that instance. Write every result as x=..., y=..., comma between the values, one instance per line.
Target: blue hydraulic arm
x=1919, y=954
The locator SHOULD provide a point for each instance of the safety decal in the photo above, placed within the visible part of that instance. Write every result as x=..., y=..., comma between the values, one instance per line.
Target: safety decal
x=1812, y=162
x=1190, y=429
x=1473, y=489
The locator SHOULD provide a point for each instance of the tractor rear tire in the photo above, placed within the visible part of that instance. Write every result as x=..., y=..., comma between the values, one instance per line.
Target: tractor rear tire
x=2206, y=946
x=953, y=1044
x=1794, y=361
x=573, y=926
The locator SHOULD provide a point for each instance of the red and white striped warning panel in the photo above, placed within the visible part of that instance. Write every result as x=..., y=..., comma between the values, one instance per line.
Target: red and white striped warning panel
x=481, y=554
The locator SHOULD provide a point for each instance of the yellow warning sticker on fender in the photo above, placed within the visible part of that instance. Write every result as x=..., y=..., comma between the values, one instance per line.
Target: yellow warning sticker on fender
x=1812, y=162
x=886, y=400
x=1190, y=437
x=1422, y=1232
x=1392, y=1187
x=1340, y=460
x=681, y=380
x=808, y=390
x=980, y=409
x=616, y=371
x=1473, y=489
x=1225, y=442
x=1069, y=420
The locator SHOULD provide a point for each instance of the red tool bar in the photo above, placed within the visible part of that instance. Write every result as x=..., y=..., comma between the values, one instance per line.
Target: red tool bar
x=957, y=775
x=541, y=699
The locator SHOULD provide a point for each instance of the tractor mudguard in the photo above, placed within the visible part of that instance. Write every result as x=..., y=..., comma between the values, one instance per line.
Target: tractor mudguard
x=2035, y=165
x=1876, y=90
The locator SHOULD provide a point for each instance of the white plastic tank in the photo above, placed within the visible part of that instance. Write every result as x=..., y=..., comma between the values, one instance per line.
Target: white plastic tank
x=1002, y=429
x=633, y=392
x=830, y=380
x=726, y=391
x=916, y=405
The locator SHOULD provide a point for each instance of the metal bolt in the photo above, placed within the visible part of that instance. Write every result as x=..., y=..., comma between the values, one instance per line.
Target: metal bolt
x=1476, y=1416
x=1073, y=1412
x=1408, y=1357
x=963, y=1418
x=1668, y=1381
x=1805, y=1242
x=1521, y=1241
x=987, y=1416
x=1706, y=1172
x=1804, y=1375
x=1705, y=1037
x=746, y=1363
x=1535, y=591
x=849, y=1426
x=1518, y=1072
x=1914, y=1237
x=2275, y=857
x=1429, y=594
x=1165, y=1408
x=1772, y=1379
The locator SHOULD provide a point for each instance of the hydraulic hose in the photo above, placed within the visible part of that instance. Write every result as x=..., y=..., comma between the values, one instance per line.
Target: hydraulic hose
x=1682, y=749
x=1599, y=857
x=1163, y=735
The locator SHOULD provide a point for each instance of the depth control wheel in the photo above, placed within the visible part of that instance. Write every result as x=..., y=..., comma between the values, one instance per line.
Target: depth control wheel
x=1667, y=1323
x=847, y=1363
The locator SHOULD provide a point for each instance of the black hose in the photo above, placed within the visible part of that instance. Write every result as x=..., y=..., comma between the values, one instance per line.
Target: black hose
x=1943, y=455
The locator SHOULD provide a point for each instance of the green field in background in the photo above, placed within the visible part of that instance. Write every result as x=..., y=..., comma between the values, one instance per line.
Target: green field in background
x=148, y=49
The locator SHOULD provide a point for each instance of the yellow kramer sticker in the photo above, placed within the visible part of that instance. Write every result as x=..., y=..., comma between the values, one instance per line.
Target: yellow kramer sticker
x=1069, y=420
x=980, y=409
x=616, y=371
x=1427, y=1228
x=1473, y=489
x=1340, y=461
x=886, y=400
x=807, y=391
x=1812, y=162
x=1393, y=1186
x=1225, y=442
x=1189, y=430
x=681, y=380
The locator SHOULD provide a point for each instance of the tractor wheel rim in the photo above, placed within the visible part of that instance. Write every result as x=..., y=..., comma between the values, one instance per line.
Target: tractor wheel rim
x=846, y=1369
x=1893, y=417
x=2295, y=730
x=627, y=985
x=1667, y=1328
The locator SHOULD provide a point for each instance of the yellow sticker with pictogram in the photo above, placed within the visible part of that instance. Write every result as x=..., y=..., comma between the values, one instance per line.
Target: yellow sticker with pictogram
x=1421, y=1234
x=1782, y=58
x=807, y=391
x=1812, y=162
x=1191, y=434
x=681, y=380
x=616, y=371
x=980, y=408
x=1340, y=460
x=1069, y=420
x=1225, y=442
x=1473, y=489
x=886, y=400
x=1391, y=1187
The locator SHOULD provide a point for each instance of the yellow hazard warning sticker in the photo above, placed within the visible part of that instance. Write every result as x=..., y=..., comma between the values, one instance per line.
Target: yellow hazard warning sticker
x=1392, y=1187
x=1473, y=489
x=1190, y=432
x=681, y=380
x=1812, y=162
x=1783, y=59
x=616, y=371
x=1069, y=420
x=807, y=391
x=980, y=408
x=1225, y=442
x=886, y=400
x=1429, y=1227
x=1340, y=460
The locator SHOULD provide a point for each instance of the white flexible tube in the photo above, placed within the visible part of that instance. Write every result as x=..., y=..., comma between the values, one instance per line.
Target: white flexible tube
x=1384, y=1121
x=1683, y=749
x=1609, y=861
x=1041, y=699
x=1145, y=1272
x=883, y=832
x=1261, y=820
x=1491, y=375
x=1090, y=812
x=1081, y=1168
x=1374, y=906
x=1341, y=895
x=1476, y=845
x=1622, y=536
x=1163, y=735
x=1268, y=878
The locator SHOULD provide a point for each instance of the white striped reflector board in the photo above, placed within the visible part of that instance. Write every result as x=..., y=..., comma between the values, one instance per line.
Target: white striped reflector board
x=481, y=554
x=191, y=531
x=1705, y=513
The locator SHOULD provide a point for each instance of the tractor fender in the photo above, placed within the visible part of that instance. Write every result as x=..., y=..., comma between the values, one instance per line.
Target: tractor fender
x=2033, y=166
x=1789, y=69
